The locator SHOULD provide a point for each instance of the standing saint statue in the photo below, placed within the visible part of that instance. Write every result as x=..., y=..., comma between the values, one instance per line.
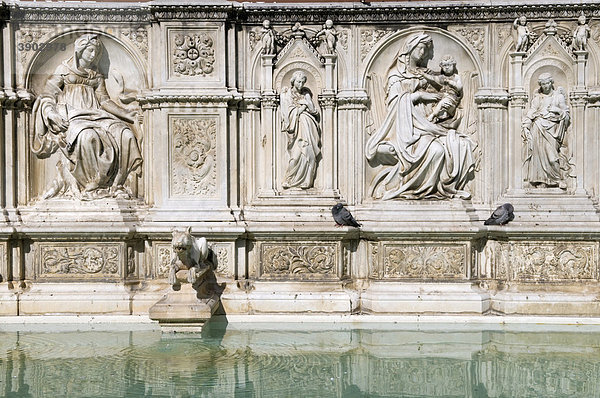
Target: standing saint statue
x=300, y=122
x=544, y=129
x=424, y=156
x=75, y=115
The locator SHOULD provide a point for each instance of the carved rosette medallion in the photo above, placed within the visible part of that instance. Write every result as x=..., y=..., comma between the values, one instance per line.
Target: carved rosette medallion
x=549, y=261
x=420, y=261
x=193, y=157
x=304, y=260
x=79, y=260
x=193, y=54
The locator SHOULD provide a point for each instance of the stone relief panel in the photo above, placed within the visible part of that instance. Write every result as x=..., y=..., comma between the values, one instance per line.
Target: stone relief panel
x=299, y=261
x=193, y=148
x=369, y=38
x=432, y=153
x=223, y=256
x=547, y=261
x=163, y=253
x=79, y=260
x=85, y=126
x=194, y=54
x=4, y=274
x=419, y=260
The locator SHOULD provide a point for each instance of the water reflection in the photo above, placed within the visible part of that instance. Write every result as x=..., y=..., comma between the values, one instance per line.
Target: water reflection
x=301, y=361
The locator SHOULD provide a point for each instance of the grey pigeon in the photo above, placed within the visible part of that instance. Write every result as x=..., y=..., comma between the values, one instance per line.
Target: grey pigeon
x=342, y=216
x=502, y=215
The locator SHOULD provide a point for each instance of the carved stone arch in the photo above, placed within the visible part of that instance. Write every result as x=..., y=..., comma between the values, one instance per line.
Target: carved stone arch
x=387, y=49
x=314, y=76
x=593, y=64
x=255, y=72
x=43, y=63
x=562, y=72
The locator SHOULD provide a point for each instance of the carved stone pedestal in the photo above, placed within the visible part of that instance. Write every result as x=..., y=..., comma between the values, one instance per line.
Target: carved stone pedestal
x=187, y=309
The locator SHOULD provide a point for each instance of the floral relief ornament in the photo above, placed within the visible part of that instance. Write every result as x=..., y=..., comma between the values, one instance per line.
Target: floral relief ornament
x=194, y=55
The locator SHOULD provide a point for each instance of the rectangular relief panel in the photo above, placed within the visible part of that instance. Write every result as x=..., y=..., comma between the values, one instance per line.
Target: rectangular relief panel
x=222, y=255
x=419, y=260
x=300, y=260
x=547, y=261
x=193, y=156
x=195, y=55
x=79, y=260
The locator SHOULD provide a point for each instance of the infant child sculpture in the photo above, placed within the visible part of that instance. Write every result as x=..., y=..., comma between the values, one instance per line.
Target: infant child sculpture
x=189, y=254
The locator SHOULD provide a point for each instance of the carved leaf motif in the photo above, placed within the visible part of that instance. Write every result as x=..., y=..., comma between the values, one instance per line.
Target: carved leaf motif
x=286, y=260
x=80, y=260
x=163, y=260
x=193, y=55
x=193, y=169
x=343, y=38
x=139, y=37
x=222, y=254
x=424, y=261
x=476, y=37
x=368, y=39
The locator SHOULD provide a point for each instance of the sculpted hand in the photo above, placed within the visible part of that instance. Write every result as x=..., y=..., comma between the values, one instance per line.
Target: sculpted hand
x=56, y=122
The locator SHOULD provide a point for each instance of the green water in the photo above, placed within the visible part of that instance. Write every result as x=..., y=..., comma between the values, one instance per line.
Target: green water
x=299, y=360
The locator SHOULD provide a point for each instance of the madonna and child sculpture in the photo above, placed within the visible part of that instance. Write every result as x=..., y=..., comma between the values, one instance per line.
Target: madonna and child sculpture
x=75, y=116
x=422, y=153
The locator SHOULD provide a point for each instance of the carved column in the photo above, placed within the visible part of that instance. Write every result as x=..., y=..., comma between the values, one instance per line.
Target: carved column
x=492, y=105
x=330, y=83
x=517, y=104
x=329, y=144
x=268, y=140
x=577, y=101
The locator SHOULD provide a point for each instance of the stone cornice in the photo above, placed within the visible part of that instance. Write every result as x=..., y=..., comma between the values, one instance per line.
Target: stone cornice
x=405, y=12
x=412, y=12
x=150, y=100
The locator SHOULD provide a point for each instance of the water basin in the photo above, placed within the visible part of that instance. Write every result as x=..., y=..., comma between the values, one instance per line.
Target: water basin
x=301, y=360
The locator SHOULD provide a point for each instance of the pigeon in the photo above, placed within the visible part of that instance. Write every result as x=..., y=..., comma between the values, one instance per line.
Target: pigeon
x=342, y=216
x=502, y=215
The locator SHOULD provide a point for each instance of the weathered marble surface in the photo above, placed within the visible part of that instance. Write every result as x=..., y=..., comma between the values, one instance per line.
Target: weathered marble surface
x=247, y=122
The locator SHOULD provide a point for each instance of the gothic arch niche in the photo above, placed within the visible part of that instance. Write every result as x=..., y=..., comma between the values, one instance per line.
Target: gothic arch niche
x=125, y=77
x=374, y=80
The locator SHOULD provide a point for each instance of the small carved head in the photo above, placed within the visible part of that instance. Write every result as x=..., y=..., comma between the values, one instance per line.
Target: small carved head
x=329, y=24
x=581, y=20
x=523, y=20
x=298, y=80
x=448, y=65
x=266, y=24
x=87, y=48
x=546, y=82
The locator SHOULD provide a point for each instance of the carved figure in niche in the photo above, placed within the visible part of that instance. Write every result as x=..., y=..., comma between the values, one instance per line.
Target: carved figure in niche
x=448, y=83
x=329, y=35
x=421, y=158
x=581, y=34
x=267, y=38
x=75, y=115
x=189, y=254
x=300, y=121
x=544, y=129
x=523, y=34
